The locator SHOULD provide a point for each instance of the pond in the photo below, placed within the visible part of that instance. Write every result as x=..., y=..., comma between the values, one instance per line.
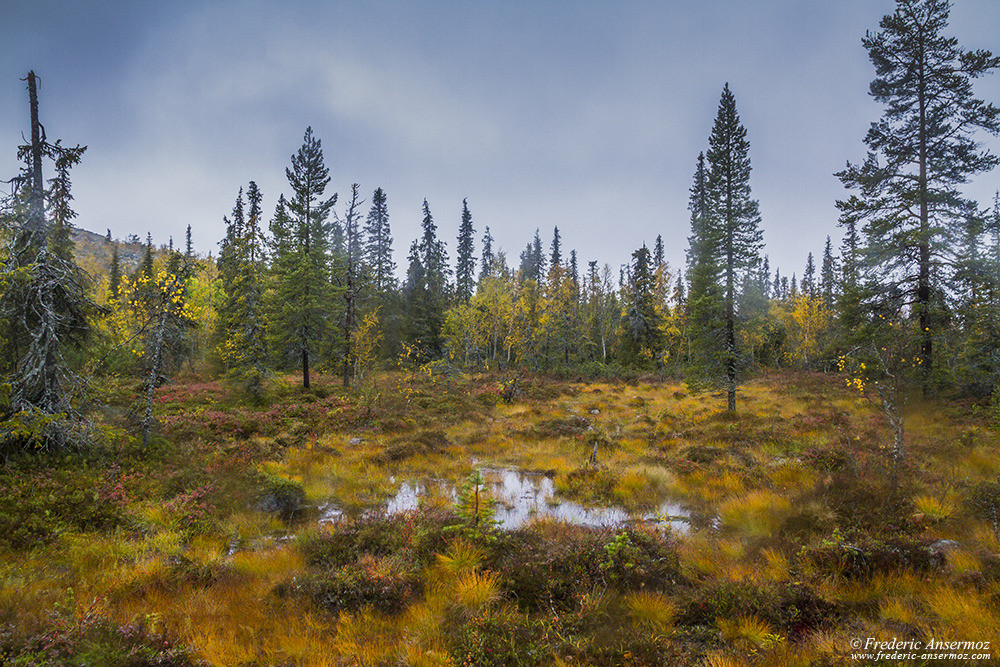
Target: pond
x=520, y=497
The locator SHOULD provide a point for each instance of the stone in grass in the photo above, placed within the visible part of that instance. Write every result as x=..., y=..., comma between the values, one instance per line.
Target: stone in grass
x=280, y=496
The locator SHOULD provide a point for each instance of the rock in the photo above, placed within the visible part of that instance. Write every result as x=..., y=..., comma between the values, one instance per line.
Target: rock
x=943, y=546
x=356, y=441
x=280, y=496
x=595, y=411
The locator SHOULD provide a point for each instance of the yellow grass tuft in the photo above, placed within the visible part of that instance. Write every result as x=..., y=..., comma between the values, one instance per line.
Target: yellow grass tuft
x=898, y=610
x=749, y=631
x=722, y=659
x=962, y=613
x=933, y=508
x=756, y=513
x=775, y=566
x=475, y=591
x=461, y=556
x=652, y=610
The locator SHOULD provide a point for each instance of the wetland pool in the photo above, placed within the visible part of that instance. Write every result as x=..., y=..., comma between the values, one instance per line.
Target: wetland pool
x=520, y=497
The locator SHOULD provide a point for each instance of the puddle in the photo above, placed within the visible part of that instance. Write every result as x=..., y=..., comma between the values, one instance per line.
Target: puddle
x=520, y=497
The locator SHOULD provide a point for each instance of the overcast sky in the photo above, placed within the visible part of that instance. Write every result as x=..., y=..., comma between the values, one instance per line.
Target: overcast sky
x=585, y=115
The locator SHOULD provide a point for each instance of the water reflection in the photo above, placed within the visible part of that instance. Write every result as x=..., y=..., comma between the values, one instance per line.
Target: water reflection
x=520, y=497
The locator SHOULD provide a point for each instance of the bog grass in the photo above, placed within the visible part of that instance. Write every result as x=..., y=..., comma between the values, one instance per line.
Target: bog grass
x=798, y=539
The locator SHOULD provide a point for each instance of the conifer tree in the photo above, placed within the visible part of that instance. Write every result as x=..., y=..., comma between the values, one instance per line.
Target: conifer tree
x=242, y=322
x=809, y=277
x=828, y=275
x=45, y=310
x=487, y=253
x=426, y=289
x=533, y=261
x=146, y=265
x=465, y=267
x=378, y=251
x=642, y=337
x=731, y=232
x=304, y=296
x=353, y=281
x=919, y=153
x=574, y=272
x=705, y=305
x=555, y=254
x=114, y=275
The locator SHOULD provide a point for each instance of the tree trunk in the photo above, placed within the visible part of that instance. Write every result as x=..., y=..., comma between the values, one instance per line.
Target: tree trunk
x=36, y=201
x=730, y=331
x=924, y=278
x=154, y=372
x=305, y=369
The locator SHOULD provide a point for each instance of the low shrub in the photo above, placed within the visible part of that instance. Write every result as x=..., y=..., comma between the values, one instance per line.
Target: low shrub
x=793, y=608
x=548, y=565
x=983, y=502
x=277, y=495
x=94, y=640
x=388, y=584
x=868, y=557
x=567, y=427
x=36, y=505
x=425, y=442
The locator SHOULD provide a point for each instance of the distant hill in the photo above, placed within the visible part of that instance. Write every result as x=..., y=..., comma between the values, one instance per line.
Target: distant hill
x=93, y=253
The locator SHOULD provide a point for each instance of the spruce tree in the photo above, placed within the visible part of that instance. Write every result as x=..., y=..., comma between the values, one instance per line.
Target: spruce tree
x=533, y=261
x=242, y=322
x=425, y=292
x=809, y=277
x=487, y=262
x=304, y=296
x=919, y=153
x=828, y=274
x=465, y=267
x=378, y=251
x=705, y=305
x=728, y=240
x=555, y=250
x=45, y=310
x=353, y=281
x=114, y=275
x=642, y=338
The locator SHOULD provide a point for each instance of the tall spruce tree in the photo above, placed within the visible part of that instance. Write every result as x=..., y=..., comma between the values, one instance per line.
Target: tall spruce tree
x=242, y=322
x=304, y=296
x=729, y=237
x=705, y=306
x=919, y=153
x=114, y=275
x=642, y=338
x=378, y=250
x=533, y=261
x=465, y=263
x=425, y=292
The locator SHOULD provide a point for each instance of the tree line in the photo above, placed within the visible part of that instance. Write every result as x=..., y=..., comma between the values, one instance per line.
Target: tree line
x=911, y=298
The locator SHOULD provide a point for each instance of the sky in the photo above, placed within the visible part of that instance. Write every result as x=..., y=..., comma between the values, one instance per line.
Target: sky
x=584, y=115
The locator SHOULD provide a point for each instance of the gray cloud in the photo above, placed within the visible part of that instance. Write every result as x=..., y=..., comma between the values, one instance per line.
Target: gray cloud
x=587, y=116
